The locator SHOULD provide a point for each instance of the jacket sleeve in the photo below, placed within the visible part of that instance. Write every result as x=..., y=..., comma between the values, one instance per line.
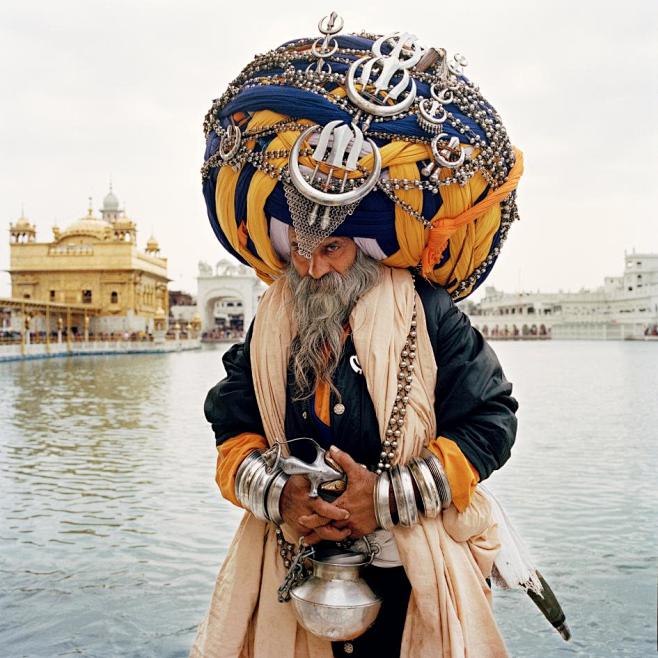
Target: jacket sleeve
x=474, y=404
x=230, y=405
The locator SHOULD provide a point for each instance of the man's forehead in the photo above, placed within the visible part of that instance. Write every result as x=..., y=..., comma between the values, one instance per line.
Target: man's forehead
x=292, y=237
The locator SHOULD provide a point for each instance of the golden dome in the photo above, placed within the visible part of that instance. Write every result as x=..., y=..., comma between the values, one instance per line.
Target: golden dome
x=152, y=244
x=87, y=225
x=22, y=221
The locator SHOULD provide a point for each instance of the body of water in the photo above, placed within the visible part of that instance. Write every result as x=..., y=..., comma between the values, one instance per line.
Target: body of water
x=112, y=529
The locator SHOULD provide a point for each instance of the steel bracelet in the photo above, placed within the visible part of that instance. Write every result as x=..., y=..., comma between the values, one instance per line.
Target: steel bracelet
x=440, y=478
x=273, y=500
x=242, y=474
x=258, y=490
x=253, y=481
x=429, y=492
x=405, y=498
x=381, y=495
x=246, y=483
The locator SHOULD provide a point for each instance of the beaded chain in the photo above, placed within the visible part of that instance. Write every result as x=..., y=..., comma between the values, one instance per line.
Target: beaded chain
x=286, y=549
x=495, y=156
x=393, y=432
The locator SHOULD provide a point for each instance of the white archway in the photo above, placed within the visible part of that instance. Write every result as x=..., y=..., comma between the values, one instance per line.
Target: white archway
x=227, y=281
x=211, y=297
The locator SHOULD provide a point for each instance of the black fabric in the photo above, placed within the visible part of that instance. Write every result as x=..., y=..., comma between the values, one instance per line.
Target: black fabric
x=473, y=402
x=384, y=637
x=355, y=430
x=474, y=406
x=231, y=406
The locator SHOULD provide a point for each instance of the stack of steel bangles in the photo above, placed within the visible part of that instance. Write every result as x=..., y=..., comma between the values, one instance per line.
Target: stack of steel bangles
x=258, y=488
x=431, y=485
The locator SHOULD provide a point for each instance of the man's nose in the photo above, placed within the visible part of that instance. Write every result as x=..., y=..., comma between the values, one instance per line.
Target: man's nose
x=318, y=266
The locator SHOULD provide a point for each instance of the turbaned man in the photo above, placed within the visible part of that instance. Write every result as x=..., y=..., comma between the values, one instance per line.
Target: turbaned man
x=368, y=181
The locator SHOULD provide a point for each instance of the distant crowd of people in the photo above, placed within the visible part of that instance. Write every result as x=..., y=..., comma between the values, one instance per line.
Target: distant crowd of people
x=220, y=334
x=12, y=336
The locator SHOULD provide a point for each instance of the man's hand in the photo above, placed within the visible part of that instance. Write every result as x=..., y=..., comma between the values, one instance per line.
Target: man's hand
x=358, y=497
x=311, y=517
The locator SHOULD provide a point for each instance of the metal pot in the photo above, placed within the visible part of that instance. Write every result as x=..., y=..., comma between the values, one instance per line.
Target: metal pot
x=335, y=603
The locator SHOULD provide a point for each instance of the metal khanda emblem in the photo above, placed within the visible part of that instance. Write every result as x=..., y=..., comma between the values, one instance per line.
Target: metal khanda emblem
x=339, y=148
x=325, y=46
x=432, y=113
x=447, y=152
x=406, y=52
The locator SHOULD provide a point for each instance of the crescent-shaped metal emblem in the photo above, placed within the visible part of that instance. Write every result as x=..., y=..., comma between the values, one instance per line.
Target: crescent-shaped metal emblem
x=331, y=24
x=329, y=198
x=370, y=107
x=320, y=51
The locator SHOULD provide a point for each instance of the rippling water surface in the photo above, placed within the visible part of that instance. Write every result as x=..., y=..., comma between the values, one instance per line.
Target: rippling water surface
x=111, y=529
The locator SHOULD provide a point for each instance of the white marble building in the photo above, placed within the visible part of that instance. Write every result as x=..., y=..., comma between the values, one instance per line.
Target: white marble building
x=624, y=307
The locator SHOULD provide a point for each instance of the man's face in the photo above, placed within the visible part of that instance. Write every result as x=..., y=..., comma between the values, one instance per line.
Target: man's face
x=333, y=254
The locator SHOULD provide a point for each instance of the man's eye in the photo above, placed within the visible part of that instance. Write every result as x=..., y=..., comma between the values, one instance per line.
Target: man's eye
x=331, y=248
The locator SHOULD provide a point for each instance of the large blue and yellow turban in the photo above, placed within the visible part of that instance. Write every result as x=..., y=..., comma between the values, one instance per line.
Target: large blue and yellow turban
x=375, y=138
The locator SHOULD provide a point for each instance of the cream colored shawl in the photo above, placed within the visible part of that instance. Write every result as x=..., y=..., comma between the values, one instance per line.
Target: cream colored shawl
x=446, y=559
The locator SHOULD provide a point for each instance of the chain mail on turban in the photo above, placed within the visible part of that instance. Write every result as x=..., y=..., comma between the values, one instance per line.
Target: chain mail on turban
x=372, y=137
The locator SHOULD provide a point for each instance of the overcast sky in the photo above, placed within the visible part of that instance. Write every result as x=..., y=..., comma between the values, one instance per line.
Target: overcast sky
x=95, y=89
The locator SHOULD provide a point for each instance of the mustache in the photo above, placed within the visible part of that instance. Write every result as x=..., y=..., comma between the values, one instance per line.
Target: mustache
x=323, y=297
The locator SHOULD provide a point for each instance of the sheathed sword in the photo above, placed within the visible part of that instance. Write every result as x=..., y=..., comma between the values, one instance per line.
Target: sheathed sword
x=514, y=569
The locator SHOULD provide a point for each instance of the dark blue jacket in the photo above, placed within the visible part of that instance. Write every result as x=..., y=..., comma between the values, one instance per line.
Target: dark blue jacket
x=474, y=406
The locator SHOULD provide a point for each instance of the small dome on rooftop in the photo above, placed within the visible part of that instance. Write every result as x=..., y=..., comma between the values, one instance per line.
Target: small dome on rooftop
x=23, y=221
x=110, y=202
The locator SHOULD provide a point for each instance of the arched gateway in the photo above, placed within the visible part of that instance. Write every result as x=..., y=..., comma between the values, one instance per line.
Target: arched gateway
x=227, y=295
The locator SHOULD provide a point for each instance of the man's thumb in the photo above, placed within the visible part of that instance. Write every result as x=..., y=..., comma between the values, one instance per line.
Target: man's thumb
x=342, y=459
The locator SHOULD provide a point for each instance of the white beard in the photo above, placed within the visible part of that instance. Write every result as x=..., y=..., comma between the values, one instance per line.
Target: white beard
x=321, y=308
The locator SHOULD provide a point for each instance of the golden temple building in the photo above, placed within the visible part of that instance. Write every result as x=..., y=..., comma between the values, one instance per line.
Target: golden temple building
x=93, y=264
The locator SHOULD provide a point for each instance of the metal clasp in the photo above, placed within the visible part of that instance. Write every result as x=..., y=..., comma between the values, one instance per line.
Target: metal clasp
x=296, y=573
